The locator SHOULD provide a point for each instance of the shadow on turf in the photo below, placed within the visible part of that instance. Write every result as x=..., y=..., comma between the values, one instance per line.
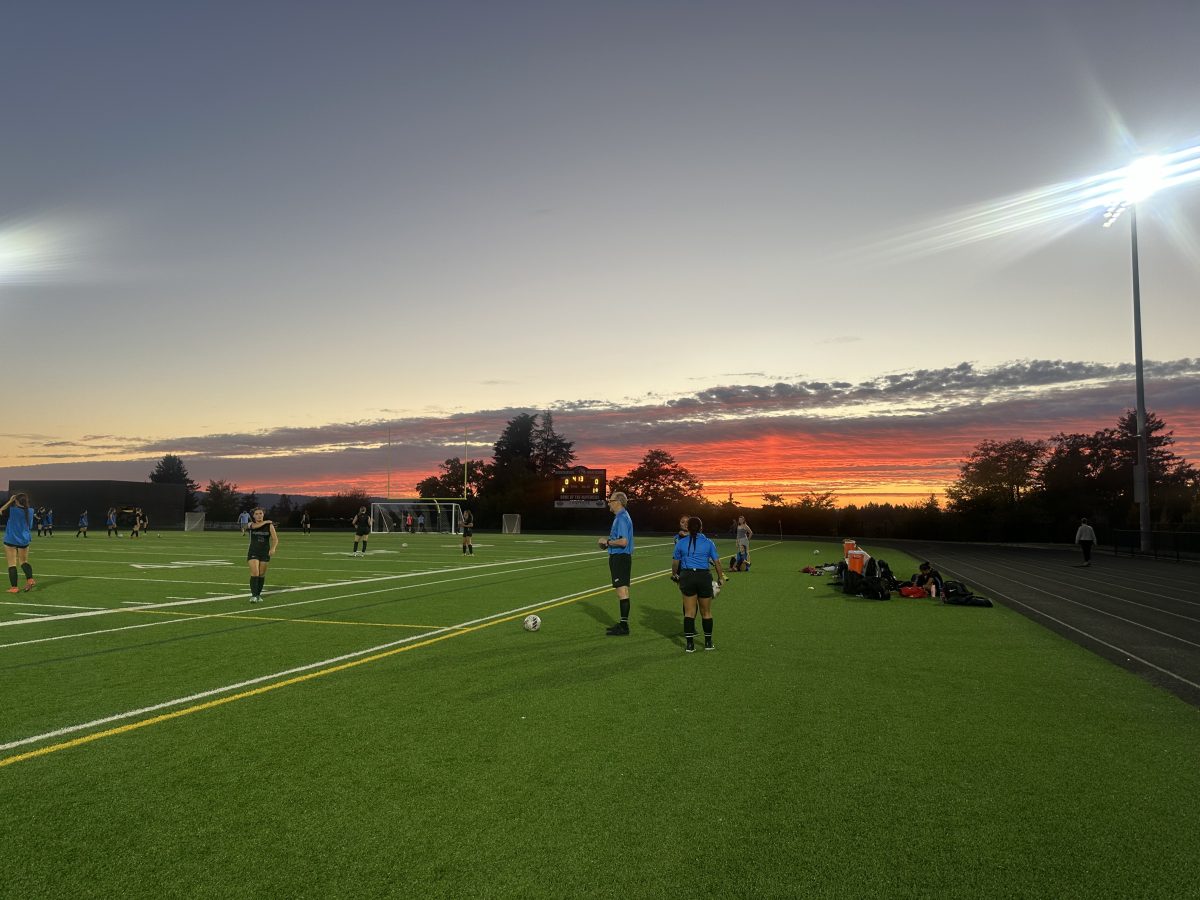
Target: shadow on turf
x=661, y=621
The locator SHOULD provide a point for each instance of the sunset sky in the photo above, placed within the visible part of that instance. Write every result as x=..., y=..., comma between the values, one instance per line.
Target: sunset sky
x=801, y=246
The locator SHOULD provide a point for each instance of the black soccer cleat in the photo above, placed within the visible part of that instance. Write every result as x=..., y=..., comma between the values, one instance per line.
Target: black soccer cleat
x=708, y=644
x=617, y=630
x=690, y=646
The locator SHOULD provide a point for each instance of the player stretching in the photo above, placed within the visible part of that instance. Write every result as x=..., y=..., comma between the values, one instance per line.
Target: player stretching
x=619, y=545
x=362, y=530
x=263, y=544
x=468, y=526
x=16, y=540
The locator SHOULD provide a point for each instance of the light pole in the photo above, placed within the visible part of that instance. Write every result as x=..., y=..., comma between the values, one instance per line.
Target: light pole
x=1141, y=474
x=1141, y=179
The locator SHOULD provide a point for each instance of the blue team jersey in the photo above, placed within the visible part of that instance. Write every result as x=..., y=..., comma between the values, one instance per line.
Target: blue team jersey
x=16, y=533
x=622, y=527
x=696, y=555
x=83, y=521
x=49, y=519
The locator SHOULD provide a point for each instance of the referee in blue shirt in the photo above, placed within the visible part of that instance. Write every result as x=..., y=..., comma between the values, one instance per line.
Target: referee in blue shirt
x=619, y=545
x=691, y=560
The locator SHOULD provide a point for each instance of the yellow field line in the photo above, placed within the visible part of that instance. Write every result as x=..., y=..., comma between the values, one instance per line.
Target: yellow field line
x=307, y=676
x=238, y=615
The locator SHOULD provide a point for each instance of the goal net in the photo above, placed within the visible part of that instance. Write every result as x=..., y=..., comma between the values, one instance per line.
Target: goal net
x=415, y=516
x=193, y=521
x=511, y=523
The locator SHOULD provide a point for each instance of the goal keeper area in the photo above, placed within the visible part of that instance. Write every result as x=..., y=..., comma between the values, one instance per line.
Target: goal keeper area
x=193, y=521
x=437, y=517
x=511, y=523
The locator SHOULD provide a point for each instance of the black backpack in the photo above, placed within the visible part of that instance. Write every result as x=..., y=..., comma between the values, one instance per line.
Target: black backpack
x=958, y=594
x=851, y=582
x=871, y=569
x=885, y=572
x=875, y=588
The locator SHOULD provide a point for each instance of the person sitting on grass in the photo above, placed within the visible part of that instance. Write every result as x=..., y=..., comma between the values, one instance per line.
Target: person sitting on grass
x=930, y=579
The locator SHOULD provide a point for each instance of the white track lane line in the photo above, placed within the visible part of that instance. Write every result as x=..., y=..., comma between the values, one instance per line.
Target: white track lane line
x=1095, y=609
x=1092, y=637
x=287, y=673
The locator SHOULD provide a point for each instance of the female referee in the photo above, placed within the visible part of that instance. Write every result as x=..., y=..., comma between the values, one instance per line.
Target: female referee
x=16, y=540
x=691, y=560
x=263, y=543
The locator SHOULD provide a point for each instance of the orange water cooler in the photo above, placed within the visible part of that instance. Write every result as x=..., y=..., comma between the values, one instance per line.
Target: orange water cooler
x=847, y=546
x=856, y=560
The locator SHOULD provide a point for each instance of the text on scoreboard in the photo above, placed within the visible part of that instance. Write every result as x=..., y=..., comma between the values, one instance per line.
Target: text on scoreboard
x=581, y=488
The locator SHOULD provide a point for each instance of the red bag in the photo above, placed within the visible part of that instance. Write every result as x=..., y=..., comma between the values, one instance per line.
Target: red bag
x=911, y=590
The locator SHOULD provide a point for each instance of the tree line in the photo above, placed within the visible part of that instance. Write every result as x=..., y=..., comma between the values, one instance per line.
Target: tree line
x=1012, y=490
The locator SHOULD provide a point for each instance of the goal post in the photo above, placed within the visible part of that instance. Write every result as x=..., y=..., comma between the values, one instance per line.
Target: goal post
x=434, y=516
x=511, y=523
x=193, y=521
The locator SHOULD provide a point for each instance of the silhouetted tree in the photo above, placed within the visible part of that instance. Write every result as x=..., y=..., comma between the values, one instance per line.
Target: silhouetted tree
x=221, y=501
x=171, y=470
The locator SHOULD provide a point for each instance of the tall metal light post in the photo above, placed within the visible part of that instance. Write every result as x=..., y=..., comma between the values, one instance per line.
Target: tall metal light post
x=1142, y=178
x=1141, y=475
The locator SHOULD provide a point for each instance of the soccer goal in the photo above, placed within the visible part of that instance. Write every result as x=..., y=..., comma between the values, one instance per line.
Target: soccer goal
x=193, y=521
x=511, y=523
x=438, y=517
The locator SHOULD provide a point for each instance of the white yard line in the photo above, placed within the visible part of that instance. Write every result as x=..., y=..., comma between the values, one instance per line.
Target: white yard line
x=183, y=619
x=286, y=673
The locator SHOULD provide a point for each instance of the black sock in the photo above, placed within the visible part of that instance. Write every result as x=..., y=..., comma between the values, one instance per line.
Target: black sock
x=625, y=611
x=261, y=579
x=471, y=549
x=689, y=626
x=356, y=546
x=707, y=623
x=12, y=576
x=27, y=569
x=364, y=546
x=253, y=581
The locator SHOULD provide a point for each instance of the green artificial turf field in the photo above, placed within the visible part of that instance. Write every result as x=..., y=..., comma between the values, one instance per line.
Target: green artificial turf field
x=384, y=726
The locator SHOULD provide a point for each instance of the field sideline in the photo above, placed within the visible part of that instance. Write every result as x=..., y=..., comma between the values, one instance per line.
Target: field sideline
x=384, y=726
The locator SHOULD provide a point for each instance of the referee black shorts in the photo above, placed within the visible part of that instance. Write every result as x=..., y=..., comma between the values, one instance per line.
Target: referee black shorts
x=620, y=566
x=695, y=583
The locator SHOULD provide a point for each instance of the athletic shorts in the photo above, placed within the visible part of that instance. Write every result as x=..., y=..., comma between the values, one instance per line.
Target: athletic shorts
x=261, y=557
x=695, y=583
x=362, y=534
x=620, y=566
x=468, y=532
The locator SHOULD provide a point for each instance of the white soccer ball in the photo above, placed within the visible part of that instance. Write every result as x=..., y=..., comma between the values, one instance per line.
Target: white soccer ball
x=532, y=622
x=716, y=588
x=404, y=545
x=816, y=553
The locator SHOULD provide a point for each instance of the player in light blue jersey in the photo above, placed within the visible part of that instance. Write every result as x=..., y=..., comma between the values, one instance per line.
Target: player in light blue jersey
x=17, y=535
x=690, y=565
x=619, y=545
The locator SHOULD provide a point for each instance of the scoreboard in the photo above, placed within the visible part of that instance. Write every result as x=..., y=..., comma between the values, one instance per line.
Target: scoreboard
x=581, y=488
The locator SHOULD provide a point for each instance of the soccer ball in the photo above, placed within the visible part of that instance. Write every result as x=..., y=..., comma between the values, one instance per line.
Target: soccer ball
x=816, y=553
x=532, y=622
x=404, y=545
x=716, y=588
